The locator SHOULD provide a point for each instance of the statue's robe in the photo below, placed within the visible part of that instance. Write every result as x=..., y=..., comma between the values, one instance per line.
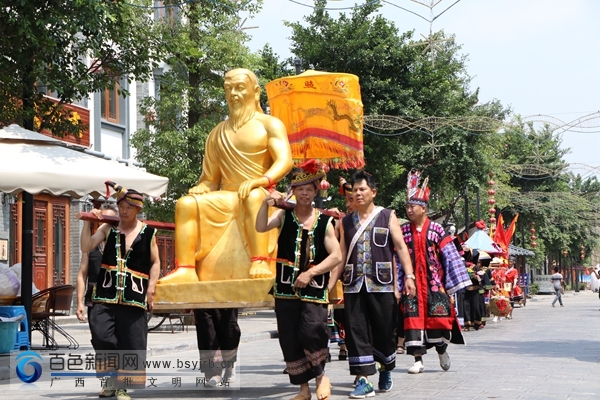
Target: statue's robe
x=223, y=250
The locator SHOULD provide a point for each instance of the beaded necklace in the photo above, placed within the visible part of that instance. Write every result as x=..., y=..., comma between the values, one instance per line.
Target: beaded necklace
x=310, y=244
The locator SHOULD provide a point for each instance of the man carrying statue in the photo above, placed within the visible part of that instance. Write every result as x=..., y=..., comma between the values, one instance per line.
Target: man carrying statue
x=244, y=156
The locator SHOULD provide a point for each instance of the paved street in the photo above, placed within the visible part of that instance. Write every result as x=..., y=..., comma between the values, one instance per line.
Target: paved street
x=543, y=353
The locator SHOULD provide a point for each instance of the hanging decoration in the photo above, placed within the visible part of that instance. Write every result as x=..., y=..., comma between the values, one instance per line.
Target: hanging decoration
x=533, y=237
x=582, y=253
x=491, y=202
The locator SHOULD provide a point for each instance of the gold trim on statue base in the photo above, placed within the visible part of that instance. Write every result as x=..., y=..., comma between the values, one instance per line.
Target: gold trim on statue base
x=232, y=293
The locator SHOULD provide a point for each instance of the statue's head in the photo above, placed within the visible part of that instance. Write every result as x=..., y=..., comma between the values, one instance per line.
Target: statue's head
x=242, y=93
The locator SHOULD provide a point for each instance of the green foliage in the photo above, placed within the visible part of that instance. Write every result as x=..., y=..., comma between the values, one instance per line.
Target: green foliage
x=534, y=288
x=45, y=45
x=563, y=207
x=397, y=79
x=201, y=44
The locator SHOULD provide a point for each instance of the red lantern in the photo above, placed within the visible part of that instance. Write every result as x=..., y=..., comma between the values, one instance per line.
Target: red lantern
x=532, y=230
x=533, y=237
x=565, y=252
x=533, y=244
x=491, y=202
x=324, y=186
x=491, y=183
x=492, y=220
x=491, y=192
x=492, y=210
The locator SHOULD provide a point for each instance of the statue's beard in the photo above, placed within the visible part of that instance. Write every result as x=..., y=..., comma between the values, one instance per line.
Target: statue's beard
x=238, y=115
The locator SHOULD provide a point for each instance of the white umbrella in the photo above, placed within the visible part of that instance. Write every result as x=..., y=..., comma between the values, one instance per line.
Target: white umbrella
x=32, y=163
x=36, y=163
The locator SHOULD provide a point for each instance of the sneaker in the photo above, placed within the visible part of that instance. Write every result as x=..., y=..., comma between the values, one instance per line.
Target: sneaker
x=444, y=361
x=106, y=392
x=385, y=381
x=417, y=368
x=122, y=395
x=215, y=381
x=363, y=389
x=495, y=319
x=229, y=375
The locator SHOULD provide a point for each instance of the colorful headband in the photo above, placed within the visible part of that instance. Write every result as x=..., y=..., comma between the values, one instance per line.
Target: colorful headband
x=416, y=195
x=309, y=172
x=130, y=196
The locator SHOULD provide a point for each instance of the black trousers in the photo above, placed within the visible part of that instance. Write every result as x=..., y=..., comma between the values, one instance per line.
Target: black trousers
x=303, y=337
x=371, y=321
x=218, y=335
x=120, y=327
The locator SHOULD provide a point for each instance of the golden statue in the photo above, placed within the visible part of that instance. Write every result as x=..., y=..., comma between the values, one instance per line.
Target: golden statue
x=215, y=237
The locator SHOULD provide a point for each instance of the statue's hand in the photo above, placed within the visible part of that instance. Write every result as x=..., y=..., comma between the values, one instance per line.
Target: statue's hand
x=246, y=187
x=200, y=188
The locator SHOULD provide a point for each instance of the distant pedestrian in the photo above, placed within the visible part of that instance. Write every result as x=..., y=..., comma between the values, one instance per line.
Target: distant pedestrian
x=557, y=279
x=596, y=273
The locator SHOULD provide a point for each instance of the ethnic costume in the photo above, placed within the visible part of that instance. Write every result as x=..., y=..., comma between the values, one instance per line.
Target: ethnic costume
x=118, y=318
x=218, y=335
x=473, y=305
x=430, y=317
x=302, y=313
x=369, y=300
x=440, y=272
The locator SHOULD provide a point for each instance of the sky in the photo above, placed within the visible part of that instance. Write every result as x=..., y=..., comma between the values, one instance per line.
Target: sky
x=540, y=57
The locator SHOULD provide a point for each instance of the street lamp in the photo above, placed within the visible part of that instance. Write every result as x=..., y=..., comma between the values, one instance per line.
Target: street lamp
x=298, y=65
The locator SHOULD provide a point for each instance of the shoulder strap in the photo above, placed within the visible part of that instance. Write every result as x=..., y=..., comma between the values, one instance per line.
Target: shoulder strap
x=361, y=229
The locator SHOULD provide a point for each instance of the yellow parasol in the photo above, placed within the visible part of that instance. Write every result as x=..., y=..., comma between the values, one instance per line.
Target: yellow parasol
x=323, y=114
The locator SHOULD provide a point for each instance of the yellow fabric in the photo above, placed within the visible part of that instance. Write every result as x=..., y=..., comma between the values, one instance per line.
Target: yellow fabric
x=222, y=246
x=323, y=114
x=226, y=164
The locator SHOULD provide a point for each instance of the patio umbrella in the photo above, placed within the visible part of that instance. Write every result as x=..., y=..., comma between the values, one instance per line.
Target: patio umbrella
x=482, y=242
x=31, y=163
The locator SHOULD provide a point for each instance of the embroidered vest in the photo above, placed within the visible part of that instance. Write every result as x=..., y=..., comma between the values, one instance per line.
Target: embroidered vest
x=299, y=249
x=94, y=263
x=381, y=272
x=124, y=279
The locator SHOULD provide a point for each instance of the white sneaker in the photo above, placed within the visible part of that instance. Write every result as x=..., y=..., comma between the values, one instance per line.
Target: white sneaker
x=215, y=381
x=417, y=368
x=495, y=319
x=229, y=375
x=444, y=361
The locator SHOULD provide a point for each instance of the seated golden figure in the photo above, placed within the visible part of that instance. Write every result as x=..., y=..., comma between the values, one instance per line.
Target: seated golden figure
x=215, y=238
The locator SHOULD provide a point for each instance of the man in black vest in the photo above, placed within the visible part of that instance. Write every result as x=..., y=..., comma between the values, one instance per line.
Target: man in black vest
x=307, y=251
x=369, y=237
x=89, y=270
x=124, y=290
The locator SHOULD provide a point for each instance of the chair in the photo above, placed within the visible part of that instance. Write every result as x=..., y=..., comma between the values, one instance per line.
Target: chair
x=48, y=304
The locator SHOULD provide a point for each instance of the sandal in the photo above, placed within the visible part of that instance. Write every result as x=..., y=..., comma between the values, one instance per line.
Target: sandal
x=300, y=396
x=324, y=389
x=343, y=356
x=400, y=350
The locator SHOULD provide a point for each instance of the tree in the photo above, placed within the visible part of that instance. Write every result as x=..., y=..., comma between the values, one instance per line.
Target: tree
x=45, y=46
x=563, y=207
x=202, y=41
x=397, y=79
